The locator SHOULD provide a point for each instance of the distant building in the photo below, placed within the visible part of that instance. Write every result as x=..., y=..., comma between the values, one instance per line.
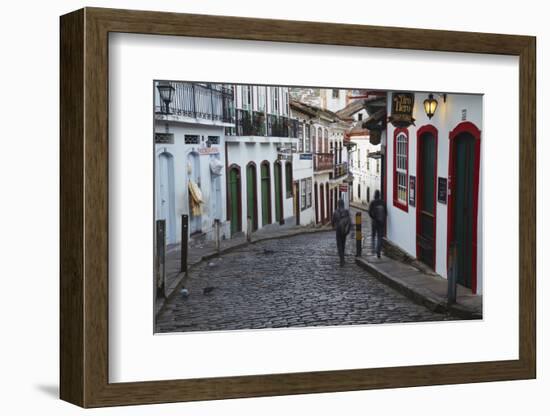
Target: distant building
x=324, y=137
x=190, y=156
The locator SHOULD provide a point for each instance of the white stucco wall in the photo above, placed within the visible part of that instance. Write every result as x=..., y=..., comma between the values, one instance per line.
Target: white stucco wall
x=401, y=226
x=179, y=151
x=363, y=177
x=241, y=151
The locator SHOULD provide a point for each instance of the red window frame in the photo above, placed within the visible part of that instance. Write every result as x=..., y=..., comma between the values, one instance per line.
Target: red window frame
x=396, y=202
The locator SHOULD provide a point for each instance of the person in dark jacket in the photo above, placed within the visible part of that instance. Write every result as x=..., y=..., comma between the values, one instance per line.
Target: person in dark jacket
x=341, y=221
x=377, y=212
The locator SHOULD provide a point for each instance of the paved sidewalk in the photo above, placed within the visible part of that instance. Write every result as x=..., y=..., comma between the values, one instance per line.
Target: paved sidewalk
x=428, y=289
x=207, y=250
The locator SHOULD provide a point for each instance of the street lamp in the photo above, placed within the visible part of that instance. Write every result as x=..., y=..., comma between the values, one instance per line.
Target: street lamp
x=166, y=92
x=430, y=105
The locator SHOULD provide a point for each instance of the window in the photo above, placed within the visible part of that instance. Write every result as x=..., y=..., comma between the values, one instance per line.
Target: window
x=400, y=168
x=335, y=93
x=247, y=97
x=359, y=158
x=359, y=117
x=319, y=140
x=309, y=189
x=288, y=179
x=308, y=139
x=368, y=161
x=261, y=98
x=274, y=100
x=326, y=141
x=191, y=139
x=213, y=140
x=377, y=165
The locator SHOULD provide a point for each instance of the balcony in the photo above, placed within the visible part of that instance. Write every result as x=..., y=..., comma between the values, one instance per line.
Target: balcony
x=323, y=161
x=340, y=170
x=255, y=123
x=249, y=123
x=200, y=101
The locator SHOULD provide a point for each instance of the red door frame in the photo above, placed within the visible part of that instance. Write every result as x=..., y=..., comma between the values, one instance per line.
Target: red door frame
x=430, y=129
x=470, y=128
x=316, y=204
x=322, y=202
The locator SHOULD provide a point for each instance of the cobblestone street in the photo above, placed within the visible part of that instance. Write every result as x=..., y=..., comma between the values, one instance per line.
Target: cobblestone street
x=289, y=282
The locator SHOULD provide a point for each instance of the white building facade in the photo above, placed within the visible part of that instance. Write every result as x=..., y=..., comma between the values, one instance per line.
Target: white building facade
x=259, y=148
x=433, y=185
x=189, y=159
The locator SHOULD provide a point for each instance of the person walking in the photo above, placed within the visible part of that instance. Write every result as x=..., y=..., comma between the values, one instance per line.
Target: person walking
x=377, y=212
x=341, y=221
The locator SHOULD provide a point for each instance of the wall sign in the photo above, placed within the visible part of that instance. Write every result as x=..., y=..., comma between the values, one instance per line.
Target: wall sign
x=306, y=156
x=208, y=150
x=402, y=104
x=412, y=191
x=164, y=138
x=442, y=190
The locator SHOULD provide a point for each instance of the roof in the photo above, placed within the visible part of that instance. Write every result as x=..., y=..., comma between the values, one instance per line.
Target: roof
x=315, y=111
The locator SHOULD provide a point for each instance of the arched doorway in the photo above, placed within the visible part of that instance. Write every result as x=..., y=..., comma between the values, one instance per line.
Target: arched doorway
x=463, y=200
x=278, y=193
x=165, y=203
x=426, y=194
x=266, y=193
x=321, y=202
x=316, y=193
x=235, y=198
x=251, y=195
x=193, y=172
x=327, y=197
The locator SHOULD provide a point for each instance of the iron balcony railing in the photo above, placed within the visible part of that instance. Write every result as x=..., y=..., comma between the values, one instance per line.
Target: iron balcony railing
x=255, y=123
x=340, y=170
x=204, y=101
x=323, y=161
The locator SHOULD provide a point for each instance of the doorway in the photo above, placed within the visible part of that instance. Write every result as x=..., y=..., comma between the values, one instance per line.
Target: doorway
x=426, y=173
x=278, y=193
x=251, y=195
x=193, y=169
x=235, y=198
x=266, y=193
x=165, y=195
x=463, y=201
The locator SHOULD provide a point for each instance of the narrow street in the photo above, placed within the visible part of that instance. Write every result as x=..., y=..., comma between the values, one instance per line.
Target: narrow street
x=289, y=282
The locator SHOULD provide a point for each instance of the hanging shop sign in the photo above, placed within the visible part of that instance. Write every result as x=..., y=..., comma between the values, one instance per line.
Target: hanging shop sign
x=402, y=104
x=164, y=138
x=442, y=190
x=412, y=191
x=284, y=153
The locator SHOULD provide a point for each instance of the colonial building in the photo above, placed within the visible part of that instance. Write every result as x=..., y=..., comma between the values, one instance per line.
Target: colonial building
x=189, y=156
x=433, y=181
x=324, y=137
x=259, y=157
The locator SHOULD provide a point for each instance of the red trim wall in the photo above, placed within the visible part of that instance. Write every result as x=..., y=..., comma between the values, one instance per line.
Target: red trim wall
x=464, y=127
x=396, y=202
x=423, y=130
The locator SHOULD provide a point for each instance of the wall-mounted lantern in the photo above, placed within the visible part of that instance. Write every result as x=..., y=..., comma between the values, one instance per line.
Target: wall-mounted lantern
x=430, y=105
x=166, y=92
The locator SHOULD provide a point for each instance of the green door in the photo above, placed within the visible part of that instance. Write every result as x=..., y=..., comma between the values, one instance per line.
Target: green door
x=463, y=206
x=266, y=194
x=235, y=195
x=251, y=208
x=278, y=193
x=426, y=178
